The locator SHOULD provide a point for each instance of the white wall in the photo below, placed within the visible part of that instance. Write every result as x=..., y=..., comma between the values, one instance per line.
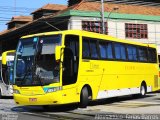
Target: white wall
x=75, y=24
x=158, y=33
x=116, y=28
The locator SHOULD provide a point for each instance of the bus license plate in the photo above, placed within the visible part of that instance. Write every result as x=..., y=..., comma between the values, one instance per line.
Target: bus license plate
x=32, y=99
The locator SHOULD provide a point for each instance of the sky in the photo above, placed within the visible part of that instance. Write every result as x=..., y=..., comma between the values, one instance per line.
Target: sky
x=9, y=8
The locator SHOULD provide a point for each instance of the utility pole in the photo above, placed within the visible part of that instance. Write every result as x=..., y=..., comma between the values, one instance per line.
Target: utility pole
x=102, y=15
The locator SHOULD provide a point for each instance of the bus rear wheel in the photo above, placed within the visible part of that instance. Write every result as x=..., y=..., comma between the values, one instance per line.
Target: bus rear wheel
x=143, y=90
x=84, y=98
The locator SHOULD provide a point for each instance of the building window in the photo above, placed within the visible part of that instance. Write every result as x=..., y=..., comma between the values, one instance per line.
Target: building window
x=94, y=26
x=137, y=31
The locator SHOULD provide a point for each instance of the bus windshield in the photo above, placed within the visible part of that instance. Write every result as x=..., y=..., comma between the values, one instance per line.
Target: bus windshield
x=35, y=61
x=7, y=67
x=10, y=71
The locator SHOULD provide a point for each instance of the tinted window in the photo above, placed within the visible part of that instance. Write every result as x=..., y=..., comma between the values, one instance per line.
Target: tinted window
x=70, y=72
x=94, y=51
x=106, y=50
x=152, y=56
x=86, y=50
x=142, y=54
x=103, y=51
x=90, y=48
x=132, y=53
x=109, y=50
x=72, y=41
x=120, y=51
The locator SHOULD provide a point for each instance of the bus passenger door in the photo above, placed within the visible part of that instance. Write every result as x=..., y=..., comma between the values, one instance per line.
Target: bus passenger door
x=70, y=68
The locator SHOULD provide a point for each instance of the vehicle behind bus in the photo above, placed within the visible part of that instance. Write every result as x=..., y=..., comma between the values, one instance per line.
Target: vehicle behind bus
x=6, y=73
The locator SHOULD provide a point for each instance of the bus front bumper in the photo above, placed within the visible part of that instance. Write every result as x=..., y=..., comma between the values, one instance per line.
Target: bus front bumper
x=45, y=99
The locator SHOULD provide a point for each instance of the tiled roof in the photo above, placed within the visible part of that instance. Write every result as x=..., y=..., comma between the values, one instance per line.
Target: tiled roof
x=123, y=8
x=6, y=31
x=21, y=18
x=93, y=7
x=51, y=7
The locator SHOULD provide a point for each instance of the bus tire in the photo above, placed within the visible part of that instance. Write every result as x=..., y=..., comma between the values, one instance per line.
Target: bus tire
x=84, y=98
x=143, y=90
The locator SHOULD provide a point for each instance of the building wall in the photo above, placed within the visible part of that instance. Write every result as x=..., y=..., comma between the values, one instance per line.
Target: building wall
x=116, y=27
x=75, y=23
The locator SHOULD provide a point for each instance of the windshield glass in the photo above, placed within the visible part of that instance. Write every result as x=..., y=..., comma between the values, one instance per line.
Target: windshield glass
x=7, y=68
x=35, y=61
x=10, y=71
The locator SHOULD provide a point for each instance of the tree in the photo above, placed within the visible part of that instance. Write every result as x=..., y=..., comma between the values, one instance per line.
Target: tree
x=72, y=2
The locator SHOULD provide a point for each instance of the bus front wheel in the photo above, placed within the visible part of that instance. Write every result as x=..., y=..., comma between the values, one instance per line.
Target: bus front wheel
x=84, y=98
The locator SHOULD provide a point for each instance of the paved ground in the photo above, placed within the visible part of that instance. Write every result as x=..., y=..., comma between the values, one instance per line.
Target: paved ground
x=115, y=108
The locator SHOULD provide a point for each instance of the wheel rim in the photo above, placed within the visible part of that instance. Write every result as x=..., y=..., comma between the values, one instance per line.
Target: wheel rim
x=143, y=90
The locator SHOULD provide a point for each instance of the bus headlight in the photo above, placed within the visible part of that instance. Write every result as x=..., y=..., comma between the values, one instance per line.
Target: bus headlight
x=52, y=89
x=15, y=91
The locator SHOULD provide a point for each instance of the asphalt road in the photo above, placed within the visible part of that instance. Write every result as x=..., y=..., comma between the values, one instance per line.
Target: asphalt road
x=127, y=107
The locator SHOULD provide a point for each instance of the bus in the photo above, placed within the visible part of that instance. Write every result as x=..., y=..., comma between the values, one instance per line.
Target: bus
x=75, y=66
x=6, y=73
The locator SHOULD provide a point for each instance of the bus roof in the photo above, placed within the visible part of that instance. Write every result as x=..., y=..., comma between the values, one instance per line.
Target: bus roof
x=90, y=34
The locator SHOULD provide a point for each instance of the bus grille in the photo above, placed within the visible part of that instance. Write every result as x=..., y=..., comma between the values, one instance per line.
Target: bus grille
x=156, y=81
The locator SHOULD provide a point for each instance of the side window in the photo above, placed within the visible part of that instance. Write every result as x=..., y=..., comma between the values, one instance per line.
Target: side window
x=71, y=60
x=132, y=53
x=152, y=56
x=109, y=51
x=93, y=48
x=142, y=51
x=72, y=41
x=106, y=50
x=120, y=53
x=89, y=48
x=85, y=49
x=103, y=51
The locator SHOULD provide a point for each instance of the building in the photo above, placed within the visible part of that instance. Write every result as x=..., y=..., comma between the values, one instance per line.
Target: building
x=137, y=21
x=15, y=23
x=47, y=10
x=24, y=25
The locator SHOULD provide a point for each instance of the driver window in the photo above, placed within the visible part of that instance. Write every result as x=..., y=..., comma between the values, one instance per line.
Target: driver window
x=71, y=60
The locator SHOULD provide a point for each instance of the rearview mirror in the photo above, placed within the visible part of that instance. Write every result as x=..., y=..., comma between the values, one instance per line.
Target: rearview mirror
x=58, y=52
